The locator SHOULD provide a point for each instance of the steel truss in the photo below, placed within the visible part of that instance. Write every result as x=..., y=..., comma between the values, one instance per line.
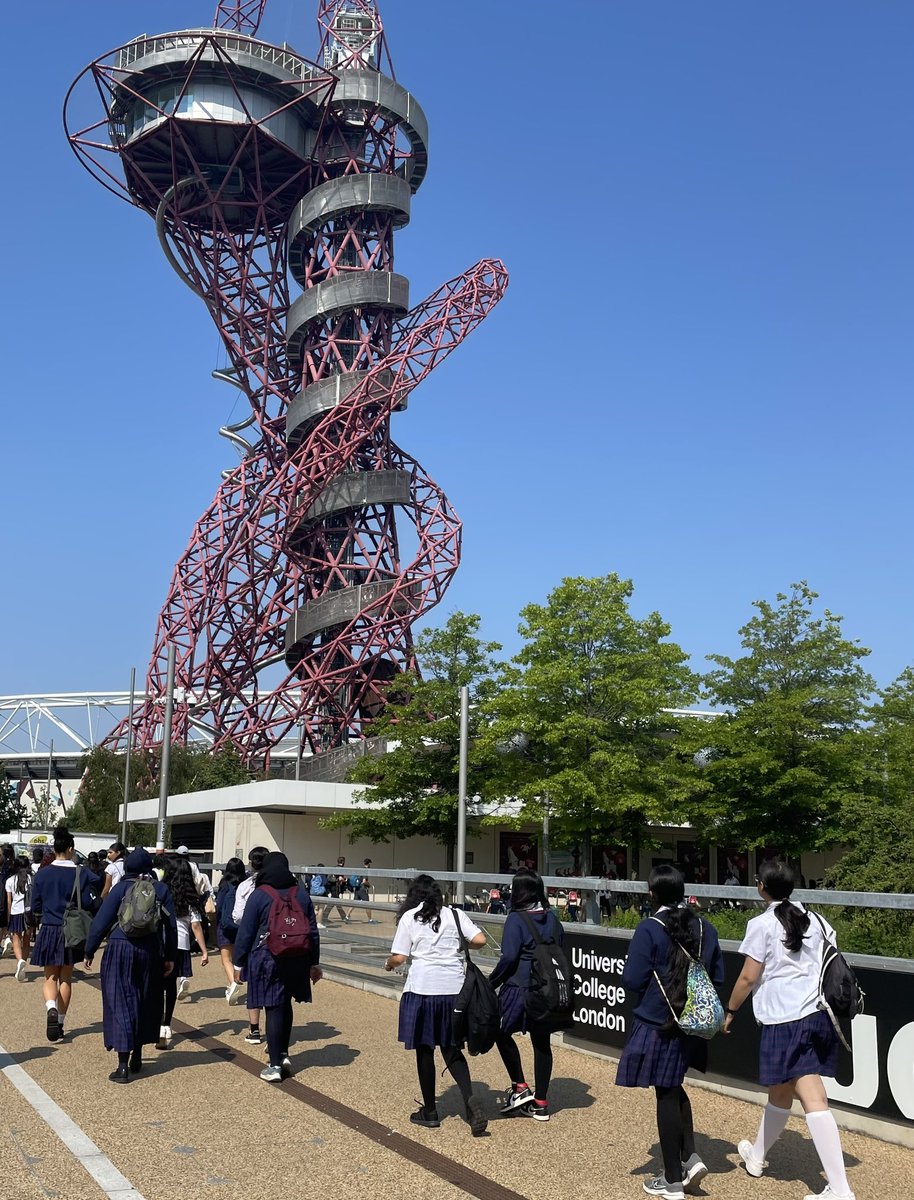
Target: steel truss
x=250, y=159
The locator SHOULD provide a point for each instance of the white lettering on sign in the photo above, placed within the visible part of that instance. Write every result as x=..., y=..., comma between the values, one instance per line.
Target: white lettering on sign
x=597, y=1002
x=901, y=1069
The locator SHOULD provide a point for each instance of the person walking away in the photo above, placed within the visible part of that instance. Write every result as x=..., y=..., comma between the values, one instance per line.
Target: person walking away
x=183, y=895
x=335, y=885
x=512, y=977
x=427, y=935
x=242, y=895
x=114, y=871
x=657, y=1053
x=134, y=966
x=54, y=888
x=783, y=956
x=18, y=896
x=226, y=929
x=363, y=892
x=317, y=889
x=274, y=978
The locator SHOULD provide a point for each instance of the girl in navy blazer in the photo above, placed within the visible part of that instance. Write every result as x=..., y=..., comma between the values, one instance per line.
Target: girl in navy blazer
x=274, y=983
x=52, y=889
x=133, y=969
x=657, y=1054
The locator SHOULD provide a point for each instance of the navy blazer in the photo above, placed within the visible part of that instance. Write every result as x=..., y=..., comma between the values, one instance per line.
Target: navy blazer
x=104, y=924
x=52, y=888
x=256, y=918
x=518, y=946
x=649, y=952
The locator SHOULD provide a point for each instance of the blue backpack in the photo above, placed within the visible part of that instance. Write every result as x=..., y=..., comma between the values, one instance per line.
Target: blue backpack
x=318, y=885
x=702, y=1014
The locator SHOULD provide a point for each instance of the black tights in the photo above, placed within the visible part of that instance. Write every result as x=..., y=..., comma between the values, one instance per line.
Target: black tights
x=453, y=1061
x=542, y=1060
x=171, y=997
x=279, y=1031
x=674, y=1124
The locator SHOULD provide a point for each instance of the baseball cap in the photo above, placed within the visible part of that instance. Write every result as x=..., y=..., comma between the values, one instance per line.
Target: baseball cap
x=182, y=850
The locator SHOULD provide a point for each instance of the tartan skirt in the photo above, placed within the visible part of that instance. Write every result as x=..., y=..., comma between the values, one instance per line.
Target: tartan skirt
x=132, y=992
x=17, y=923
x=50, y=951
x=806, y=1047
x=271, y=981
x=426, y=1020
x=655, y=1058
x=512, y=1004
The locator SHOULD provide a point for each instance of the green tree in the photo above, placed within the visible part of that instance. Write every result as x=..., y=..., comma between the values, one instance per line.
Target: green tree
x=414, y=788
x=12, y=810
x=584, y=702
x=786, y=755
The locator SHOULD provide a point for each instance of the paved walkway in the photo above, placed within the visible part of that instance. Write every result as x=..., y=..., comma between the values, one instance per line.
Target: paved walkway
x=199, y=1123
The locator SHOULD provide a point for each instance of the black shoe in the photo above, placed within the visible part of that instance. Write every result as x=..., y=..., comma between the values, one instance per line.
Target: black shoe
x=427, y=1117
x=55, y=1029
x=121, y=1075
x=136, y=1062
x=476, y=1117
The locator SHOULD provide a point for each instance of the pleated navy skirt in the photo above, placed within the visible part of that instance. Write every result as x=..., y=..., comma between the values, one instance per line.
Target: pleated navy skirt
x=426, y=1020
x=183, y=965
x=221, y=940
x=270, y=981
x=50, y=950
x=17, y=923
x=806, y=1047
x=132, y=992
x=512, y=1004
x=655, y=1058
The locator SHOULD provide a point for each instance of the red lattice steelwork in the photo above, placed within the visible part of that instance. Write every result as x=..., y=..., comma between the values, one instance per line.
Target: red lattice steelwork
x=256, y=164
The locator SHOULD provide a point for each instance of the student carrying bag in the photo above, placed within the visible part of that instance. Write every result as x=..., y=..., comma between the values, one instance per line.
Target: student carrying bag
x=702, y=1014
x=550, y=1002
x=840, y=995
x=476, y=1018
x=76, y=919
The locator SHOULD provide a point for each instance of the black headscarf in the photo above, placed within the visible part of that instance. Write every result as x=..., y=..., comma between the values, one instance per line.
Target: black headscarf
x=275, y=872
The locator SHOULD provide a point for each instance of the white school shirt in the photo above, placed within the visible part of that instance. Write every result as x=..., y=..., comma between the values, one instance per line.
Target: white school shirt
x=788, y=987
x=437, y=967
x=184, y=924
x=116, y=871
x=16, y=899
x=242, y=895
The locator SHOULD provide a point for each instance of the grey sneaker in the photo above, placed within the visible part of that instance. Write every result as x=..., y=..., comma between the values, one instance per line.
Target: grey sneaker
x=271, y=1074
x=658, y=1186
x=693, y=1171
x=755, y=1166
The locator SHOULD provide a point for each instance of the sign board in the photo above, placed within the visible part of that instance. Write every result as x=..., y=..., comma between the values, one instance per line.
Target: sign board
x=877, y=1078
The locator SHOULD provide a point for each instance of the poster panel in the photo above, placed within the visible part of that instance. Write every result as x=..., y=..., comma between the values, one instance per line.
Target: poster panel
x=516, y=850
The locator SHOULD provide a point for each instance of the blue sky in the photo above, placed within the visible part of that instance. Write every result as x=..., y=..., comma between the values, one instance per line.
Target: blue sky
x=701, y=376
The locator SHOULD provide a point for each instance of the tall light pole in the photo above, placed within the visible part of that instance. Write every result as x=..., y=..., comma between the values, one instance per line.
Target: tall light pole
x=462, y=791
x=129, y=752
x=166, y=747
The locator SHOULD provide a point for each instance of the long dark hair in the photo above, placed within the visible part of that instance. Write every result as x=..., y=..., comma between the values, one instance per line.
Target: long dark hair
x=667, y=886
x=23, y=874
x=179, y=879
x=233, y=874
x=527, y=890
x=425, y=892
x=778, y=880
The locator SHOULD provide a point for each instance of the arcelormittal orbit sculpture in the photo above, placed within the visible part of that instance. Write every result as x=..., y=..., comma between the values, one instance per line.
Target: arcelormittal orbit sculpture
x=257, y=164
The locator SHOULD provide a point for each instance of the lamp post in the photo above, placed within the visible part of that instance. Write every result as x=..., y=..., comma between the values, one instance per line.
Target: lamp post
x=462, y=791
x=129, y=752
x=166, y=748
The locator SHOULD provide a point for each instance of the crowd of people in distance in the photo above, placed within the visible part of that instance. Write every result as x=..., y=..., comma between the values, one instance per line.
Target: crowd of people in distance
x=150, y=911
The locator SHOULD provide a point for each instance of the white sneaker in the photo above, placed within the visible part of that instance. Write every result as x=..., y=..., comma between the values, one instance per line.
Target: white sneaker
x=828, y=1194
x=746, y=1151
x=231, y=992
x=164, y=1041
x=20, y=970
x=182, y=988
x=6, y=947
x=320, y=925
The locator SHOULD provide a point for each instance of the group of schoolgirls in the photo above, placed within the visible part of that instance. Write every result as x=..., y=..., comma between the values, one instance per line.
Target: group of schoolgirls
x=15, y=907
x=783, y=955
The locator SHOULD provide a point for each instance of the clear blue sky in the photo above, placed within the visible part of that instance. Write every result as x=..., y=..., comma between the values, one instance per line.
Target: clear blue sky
x=701, y=376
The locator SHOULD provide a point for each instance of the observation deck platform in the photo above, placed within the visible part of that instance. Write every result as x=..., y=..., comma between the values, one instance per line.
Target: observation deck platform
x=198, y=1122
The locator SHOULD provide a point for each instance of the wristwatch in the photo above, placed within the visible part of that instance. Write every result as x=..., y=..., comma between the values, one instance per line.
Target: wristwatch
x=731, y=1012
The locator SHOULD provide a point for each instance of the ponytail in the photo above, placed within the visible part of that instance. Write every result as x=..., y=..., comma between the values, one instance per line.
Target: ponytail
x=778, y=880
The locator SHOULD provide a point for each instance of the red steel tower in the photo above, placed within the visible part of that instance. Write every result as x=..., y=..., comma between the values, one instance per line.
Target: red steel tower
x=327, y=541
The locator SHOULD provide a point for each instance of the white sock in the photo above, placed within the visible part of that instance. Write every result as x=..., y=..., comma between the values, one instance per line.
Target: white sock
x=823, y=1130
x=772, y=1126
x=49, y=1004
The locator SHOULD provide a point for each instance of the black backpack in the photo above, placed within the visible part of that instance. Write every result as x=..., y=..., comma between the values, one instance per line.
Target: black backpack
x=476, y=1018
x=550, y=1003
x=840, y=995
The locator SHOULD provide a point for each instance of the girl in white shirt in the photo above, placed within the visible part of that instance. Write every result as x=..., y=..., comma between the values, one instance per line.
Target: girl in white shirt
x=18, y=904
x=179, y=880
x=783, y=949
x=427, y=935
